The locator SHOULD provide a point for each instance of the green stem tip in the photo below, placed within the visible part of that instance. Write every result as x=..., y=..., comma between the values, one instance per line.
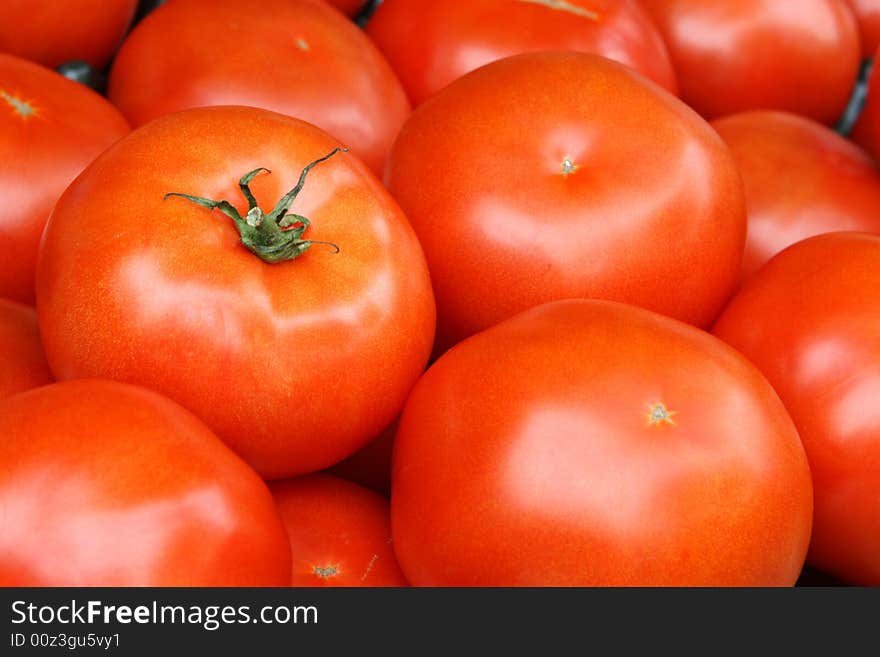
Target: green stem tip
x=273, y=237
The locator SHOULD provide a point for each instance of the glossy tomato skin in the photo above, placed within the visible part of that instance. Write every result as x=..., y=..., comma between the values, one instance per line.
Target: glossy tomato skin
x=50, y=129
x=104, y=484
x=457, y=37
x=593, y=443
x=340, y=533
x=801, y=179
x=809, y=320
x=24, y=364
x=867, y=13
x=650, y=194
x=737, y=55
x=296, y=365
x=51, y=33
x=295, y=57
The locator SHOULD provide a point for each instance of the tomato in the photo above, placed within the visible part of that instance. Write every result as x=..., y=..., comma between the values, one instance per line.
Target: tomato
x=809, y=320
x=292, y=56
x=867, y=13
x=593, y=443
x=50, y=129
x=295, y=363
x=555, y=175
x=51, y=32
x=738, y=55
x=801, y=179
x=457, y=37
x=21, y=352
x=371, y=465
x=104, y=484
x=340, y=533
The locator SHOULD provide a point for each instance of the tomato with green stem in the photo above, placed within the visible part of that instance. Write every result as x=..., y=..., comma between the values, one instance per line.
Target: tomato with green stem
x=294, y=351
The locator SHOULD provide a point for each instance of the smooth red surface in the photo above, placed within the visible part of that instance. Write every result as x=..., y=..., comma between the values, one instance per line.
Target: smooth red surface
x=50, y=129
x=801, y=179
x=22, y=361
x=810, y=321
x=431, y=44
x=295, y=57
x=370, y=466
x=867, y=13
x=340, y=533
x=655, y=196
x=295, y=365
x=868, y=127
x=527, y=456
x=52, y=32
x=738, y=55
x=103, y=484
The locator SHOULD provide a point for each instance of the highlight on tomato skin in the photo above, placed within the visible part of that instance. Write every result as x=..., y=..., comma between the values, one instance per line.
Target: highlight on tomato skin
x=107, y=484
x=591, y=443
x=455, y=38
x=801, y=179
x=340, y=533
x=808, y=319
x=22, y=361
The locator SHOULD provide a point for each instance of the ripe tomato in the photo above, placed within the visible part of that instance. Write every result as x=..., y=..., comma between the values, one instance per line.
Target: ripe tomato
x=809, y=320
x=867, y=13
x=555, y=175
x=295, y=364
x=370, y=466
x=296, y=57
x=593, y=443
x=21, y=352
x=340, y=533
x=457, y=37
x=104, y=484
x=801, y=179
x=737, y=55
x=51, y=32
x=50, y=129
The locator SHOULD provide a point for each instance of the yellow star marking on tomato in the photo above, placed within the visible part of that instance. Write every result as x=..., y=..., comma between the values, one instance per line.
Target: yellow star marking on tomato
x=562, y=5
x=326, y=571
x=22, y=108
x=302, y=44
x=659, y=414
x=568, y=167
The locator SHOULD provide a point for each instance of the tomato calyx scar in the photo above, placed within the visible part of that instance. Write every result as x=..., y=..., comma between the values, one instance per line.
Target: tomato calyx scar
x=658, y=414
x=276, y=236
x=563, y=5
x=24, y=109
x=326, y=571
x=568, y=167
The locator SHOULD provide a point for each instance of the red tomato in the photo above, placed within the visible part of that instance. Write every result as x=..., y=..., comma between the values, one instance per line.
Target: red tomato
x=801, y=179
x=371, y=465
x=295, y=364
x=103, y=484
x=555, y=175
x=809, y=320
x=53, y=32
x=21, y=352
x=50, y=129
x=593, y=443
x=737, y=55
x=340, y=533
x=457, y=37
x=867, y=13
x=296, y=57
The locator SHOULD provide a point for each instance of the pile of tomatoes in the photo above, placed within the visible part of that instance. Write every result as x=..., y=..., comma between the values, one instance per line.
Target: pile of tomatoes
x=587, y=289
